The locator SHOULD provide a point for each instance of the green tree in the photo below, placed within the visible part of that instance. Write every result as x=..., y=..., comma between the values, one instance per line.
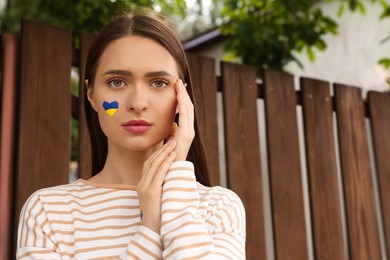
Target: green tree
x=80, y=15
x=267, y=33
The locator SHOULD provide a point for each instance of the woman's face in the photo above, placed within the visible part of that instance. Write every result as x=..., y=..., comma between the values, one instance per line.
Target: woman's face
x=134, y=94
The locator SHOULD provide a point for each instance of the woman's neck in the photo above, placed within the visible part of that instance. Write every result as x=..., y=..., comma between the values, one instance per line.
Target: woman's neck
x=122, y=166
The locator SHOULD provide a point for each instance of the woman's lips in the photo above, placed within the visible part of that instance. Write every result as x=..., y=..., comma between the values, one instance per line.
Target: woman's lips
x=137, y=126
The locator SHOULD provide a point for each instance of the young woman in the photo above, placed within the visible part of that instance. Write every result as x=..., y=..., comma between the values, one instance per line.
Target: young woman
x=148, y=198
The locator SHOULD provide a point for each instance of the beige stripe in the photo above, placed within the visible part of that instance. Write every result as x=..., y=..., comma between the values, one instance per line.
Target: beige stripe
x=166, y=211
x=221, y=221
x=179, y=200
x=193, y=216
x=180, y=189
x=62, y=232
x=180, y=169
x=35, y=252
x=189, y=179
x=93, y=203
x=133, y=256
x=44, y=241
x=212, y=223
x=230, y=251
x=69, y=188
x=234, y=205
x=181, y=248
x=68, y=222
x=28, y=217
x=144, y=249
x=91, y=212
x=106, y=227
x=232, y=236
x=90, y=239
x=99, y=248
x=55, y=248
x=186, y=235
x=106, y=258
x=78, y=197
x=188, y=223
x=67, y=254
x=209, y=252
x=150, y=240
x=229, y=242
x=35, y=227
x=219, y=253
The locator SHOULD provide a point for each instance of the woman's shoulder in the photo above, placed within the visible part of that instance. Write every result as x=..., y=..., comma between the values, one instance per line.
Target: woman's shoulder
x=62, y=189
x=218, y=193
x=58, y=193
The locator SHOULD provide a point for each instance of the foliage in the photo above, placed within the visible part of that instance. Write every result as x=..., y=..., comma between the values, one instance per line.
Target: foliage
x=79, y=15
x=266, y=33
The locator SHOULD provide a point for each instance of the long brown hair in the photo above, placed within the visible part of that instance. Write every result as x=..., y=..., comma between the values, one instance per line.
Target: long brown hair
x=152, y=26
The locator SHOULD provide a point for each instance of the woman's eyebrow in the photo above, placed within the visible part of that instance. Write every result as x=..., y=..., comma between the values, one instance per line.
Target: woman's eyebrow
x=147, y=75
x=118, y=72
x=158, y=74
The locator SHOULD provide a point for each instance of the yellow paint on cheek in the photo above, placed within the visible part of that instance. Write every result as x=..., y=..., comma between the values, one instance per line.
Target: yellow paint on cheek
x=111, y=111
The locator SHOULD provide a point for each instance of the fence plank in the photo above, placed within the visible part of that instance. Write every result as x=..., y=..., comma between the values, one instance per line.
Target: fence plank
x=322, y=170
x=205, y=90
x=45, y=108
x=355, y=165
x=8, y=88
x=242, y=150
x=85, y=154
x=379, y=105
x=284, y=167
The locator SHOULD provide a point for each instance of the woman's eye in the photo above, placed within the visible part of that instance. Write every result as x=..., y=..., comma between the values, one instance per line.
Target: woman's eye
x=116, y=83
x=160, y=84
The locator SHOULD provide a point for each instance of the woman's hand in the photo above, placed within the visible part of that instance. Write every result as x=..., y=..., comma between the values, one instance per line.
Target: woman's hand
x=149, y=188
x=183, y=133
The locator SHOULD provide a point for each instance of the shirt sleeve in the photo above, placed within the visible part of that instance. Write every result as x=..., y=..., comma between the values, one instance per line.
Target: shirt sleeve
x=185, y=233
x=36, y=239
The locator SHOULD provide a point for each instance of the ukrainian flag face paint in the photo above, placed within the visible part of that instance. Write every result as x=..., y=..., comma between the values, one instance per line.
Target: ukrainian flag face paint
x=110, y=107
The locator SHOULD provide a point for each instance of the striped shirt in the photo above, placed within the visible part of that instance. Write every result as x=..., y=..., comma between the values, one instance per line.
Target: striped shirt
x=85, y=220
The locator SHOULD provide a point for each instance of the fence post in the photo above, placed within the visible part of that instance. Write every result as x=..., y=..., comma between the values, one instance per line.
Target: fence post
x=284, y=166
x=8, y=71
x=243, y=150
x=322, y=170
x=44, y=109
x=362, y=228
x=379, y=105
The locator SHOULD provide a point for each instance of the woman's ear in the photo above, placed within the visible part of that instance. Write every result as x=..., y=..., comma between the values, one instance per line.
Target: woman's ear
x=90, y=95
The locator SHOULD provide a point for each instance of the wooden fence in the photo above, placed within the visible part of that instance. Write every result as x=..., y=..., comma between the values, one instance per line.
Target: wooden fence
x=345, y=222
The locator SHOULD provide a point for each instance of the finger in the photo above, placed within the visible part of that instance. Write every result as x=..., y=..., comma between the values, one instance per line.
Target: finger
x=172, y=132
x=185, y=105
x=186, y=111
x=152, y=164
x=158, y=178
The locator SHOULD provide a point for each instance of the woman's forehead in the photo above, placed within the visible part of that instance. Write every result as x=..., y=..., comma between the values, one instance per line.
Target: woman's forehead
x=137, y=53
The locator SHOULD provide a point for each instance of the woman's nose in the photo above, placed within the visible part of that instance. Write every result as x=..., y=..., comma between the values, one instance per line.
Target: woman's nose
x=137, y=100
